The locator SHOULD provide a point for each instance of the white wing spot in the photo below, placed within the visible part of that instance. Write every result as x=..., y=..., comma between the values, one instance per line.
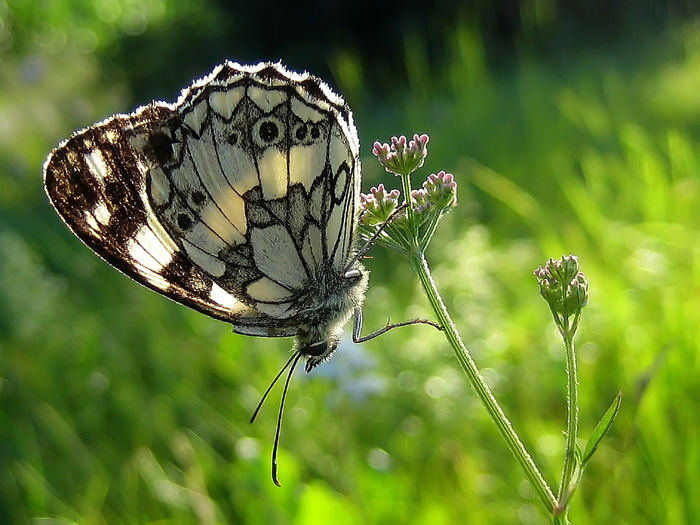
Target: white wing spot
x=276, y=256
x=222, y=297
x=96, y=164
x=273, y=174
x=102, y=213
x=148, y=250
x=205, y=261
x=159, y=232
x=266, y=290
x=224, y=102
x=92, y=223
x=306, y=164
x=111, y=136
x=194, y=119
x=305, y=112
x=143, y=258
x=157, y=280
x=266, y=99
x=148, y=239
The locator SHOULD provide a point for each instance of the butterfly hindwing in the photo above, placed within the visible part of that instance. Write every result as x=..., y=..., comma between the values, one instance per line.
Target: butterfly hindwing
x=229, y=201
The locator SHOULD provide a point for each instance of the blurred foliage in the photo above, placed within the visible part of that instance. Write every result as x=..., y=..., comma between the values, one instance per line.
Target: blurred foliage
x=572, y=128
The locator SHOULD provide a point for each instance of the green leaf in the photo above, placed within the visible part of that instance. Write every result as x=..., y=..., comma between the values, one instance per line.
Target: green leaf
x=601, y=429
x=575, y=478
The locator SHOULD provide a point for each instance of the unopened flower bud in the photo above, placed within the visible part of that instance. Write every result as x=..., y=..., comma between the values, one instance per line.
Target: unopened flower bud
x=550, y=288
x=578, y=291
x=421, y=204
x=562, y=285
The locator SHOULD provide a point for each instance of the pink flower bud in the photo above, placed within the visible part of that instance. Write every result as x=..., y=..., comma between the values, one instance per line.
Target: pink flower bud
x=402, y=157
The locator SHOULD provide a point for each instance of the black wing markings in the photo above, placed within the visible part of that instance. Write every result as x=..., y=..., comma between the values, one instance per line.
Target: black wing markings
x=109, y=215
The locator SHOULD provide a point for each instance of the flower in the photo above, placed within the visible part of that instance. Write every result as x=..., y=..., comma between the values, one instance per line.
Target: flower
x=411, y=227
x=420, y=201
x=422, y=207
x=402, y=157
x=441, y=189
x=562, y=285
x=378, y=205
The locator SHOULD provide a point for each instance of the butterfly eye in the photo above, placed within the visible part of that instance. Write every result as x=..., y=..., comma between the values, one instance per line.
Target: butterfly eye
x=268, y=131
x=316, y=349
x=233, y=138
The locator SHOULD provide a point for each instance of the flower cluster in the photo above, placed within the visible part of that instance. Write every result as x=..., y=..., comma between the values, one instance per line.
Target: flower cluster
x=378, y=205
x=563, y=286
x=441, y=189
x=402, y=157
x=411, y=226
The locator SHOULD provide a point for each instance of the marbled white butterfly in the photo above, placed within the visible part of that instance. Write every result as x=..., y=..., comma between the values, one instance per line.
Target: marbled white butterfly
x=239, y=200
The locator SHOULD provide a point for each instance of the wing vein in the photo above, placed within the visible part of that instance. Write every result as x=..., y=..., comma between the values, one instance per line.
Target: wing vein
x=213, y=199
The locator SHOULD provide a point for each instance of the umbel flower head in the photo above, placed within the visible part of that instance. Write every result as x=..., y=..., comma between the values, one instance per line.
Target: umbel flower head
x=441, y=189
x=410, y=226
x=564, y=288
x=378, y=205
x=402, y=157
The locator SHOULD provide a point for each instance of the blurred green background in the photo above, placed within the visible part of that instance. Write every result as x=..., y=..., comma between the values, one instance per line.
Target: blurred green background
x=571, y=126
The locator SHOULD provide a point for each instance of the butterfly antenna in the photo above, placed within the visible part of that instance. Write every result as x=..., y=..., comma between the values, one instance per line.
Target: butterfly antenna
x=296, y=357
x=279, y=374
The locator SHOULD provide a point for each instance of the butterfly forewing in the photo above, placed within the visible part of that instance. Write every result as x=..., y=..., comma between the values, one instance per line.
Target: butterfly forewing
x=230, y=201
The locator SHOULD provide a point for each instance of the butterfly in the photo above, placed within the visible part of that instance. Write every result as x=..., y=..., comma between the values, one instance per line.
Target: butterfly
x=239, y=200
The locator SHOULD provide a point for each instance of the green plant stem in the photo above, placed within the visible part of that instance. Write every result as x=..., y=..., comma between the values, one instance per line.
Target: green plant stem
x=406, y=184
x=565, y=490
x=472, y=372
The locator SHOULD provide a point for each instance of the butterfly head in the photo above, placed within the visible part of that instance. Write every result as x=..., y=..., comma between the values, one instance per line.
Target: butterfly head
x=319, y=352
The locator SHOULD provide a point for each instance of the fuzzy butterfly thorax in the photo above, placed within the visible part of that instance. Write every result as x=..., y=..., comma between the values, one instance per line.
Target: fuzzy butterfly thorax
x=331, y=298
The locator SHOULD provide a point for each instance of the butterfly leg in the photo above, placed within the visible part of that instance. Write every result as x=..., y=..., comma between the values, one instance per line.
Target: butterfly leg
x=370, y=242
x=357, y=327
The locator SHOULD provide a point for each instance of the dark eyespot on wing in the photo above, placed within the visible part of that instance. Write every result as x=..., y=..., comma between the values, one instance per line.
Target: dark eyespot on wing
x=198, y=198
x=159, y=148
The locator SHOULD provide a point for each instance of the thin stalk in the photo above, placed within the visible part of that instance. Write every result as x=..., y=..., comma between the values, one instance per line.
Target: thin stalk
x=406, y=183
x=565, y=490
x=472, y=372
